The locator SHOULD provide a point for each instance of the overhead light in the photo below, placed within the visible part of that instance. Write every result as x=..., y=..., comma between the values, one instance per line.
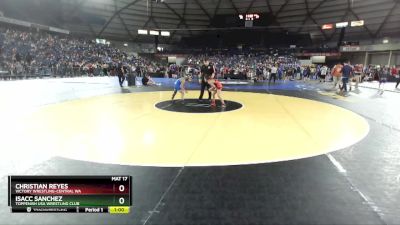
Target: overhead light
x=385, y=41
x=154, y=32
x=357, y=23
x=142, y=32
x=327, y=26
x=342, y=24
x=165, y=33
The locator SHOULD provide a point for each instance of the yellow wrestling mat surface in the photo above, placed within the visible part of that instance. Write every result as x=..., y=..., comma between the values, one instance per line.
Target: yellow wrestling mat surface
x=128, y=129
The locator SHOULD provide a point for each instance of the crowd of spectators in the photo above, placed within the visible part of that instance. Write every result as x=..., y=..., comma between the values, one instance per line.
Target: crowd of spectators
x=30, y=52
x=244, y=66
x=24, y=52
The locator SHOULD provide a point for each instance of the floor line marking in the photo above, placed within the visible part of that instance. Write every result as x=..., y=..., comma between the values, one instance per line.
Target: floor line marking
x=155, y=209
x=338, y=166
x=370, y=203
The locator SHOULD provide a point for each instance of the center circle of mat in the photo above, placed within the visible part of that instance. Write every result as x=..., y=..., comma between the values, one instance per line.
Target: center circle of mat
x=196, y=106
x=128, y=129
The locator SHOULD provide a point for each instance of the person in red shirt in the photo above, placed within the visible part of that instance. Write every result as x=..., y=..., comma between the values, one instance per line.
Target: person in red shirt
x=337, y=75
x=397, y=75
x=394, y=71
x=357, y=74
x=216, y=89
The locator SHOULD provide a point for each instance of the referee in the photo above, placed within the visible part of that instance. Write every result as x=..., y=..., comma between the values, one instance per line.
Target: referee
x=120, y=73
x=207, y=72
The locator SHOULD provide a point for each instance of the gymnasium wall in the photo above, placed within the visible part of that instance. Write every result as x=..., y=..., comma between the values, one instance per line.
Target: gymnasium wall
x=378, y=58
x=374, y=58
x=396, y=58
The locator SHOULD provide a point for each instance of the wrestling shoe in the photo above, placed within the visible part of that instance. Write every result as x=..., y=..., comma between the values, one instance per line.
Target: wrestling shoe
x=213, y=104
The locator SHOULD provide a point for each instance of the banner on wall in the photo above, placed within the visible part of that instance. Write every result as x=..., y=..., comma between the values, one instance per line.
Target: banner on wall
x=318, y=59
x=172, y=59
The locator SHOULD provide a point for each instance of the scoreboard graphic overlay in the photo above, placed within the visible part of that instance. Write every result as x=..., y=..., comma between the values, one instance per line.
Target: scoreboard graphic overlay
x=70, y=194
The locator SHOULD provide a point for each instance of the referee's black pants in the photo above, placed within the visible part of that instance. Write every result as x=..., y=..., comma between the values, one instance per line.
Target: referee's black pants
x=121, y=79
x=273, y=75
x=204, y=85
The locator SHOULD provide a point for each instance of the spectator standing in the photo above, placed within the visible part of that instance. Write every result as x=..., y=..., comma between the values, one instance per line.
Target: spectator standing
x=307, y=73
x=120, y=73
x=337, y=75
x=383, y=77
x=347, y=72
x=323, y=71
x=357, y=74
x=394, y=71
